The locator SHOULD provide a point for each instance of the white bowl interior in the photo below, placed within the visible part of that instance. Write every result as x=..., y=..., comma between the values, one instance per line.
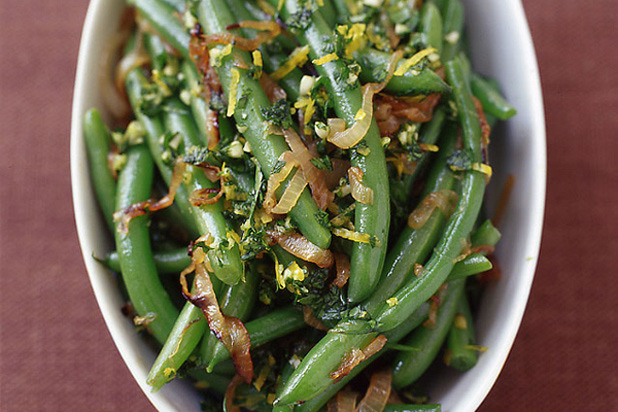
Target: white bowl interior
x=501, y=48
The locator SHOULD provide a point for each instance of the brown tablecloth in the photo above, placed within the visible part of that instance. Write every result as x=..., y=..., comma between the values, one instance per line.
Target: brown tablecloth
x=55, y=353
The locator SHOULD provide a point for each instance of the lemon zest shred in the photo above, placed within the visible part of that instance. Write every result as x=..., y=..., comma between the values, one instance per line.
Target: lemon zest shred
x=231, y=106
x=392, y=301
x=429, y=147
x=297, y=58
x=483, y=168
x=325, y=59
x=257, y=58
x=414, y=60
x=350, y=235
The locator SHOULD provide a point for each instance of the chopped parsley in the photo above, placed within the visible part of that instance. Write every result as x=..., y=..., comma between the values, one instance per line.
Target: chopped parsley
x=279, y=114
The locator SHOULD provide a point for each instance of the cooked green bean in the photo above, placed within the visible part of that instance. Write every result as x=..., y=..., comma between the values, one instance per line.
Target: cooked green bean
x=471, y=265
x=265, y=329
x=372, y=219
x=374, y=64
x=167, y=261
x=319, y=400
x=139, y=274
x=431, y=26
x=460, y=353
x=408, y=366
x=207, y=219
x=162, y=18
x=493, y=102
x=215, y=16
x=97, y=137
x=453, y=17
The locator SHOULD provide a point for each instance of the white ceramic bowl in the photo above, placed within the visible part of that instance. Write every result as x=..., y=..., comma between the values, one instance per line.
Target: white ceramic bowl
x=502, y=48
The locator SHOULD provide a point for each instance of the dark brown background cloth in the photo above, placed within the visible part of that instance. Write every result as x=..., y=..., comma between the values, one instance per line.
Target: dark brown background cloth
x=55, y=353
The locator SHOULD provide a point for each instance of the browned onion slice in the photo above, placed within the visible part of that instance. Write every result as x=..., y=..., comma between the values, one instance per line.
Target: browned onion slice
x=302, y=248
x=378, y=392
x=141, y=208
x=342, y=263
x=356, y=356
x=445, y=200
x=228, y=329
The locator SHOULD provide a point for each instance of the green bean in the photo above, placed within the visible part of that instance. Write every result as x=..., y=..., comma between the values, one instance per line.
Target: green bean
x=136, y=262
x=366, y=259
x=156, y=50
x=167, y=261
x=471, y=265
x=493, y=102
x=343, y=13
x=485, y=234
x=458, y=228
x=414, y=245
x=408, y=366
x=162, y=18
x=394, y=407
x=226, y=263
x=265, y=329
x=186, y=334
x=431, y=26
x=393, y=336
x=272, y=61
x=215, y=17
x=401, y=190
x=453, y=18
x=178, y=5
x=97, y=137
x=212, y=381
x=459, y=354
x=374, y=64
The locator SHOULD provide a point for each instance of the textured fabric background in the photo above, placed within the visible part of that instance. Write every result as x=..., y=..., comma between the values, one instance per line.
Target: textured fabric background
x=55, y=353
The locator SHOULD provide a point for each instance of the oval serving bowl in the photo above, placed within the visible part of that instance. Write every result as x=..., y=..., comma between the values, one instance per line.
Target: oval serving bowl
x=501, y=47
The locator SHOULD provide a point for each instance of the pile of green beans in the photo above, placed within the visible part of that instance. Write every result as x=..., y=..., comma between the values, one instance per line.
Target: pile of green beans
x=203, y=106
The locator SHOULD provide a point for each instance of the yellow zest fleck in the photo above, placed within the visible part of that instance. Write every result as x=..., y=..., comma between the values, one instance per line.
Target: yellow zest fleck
x=233, y=236
x=429, y=147
x=279, y=273
x=271, y=398
x=350, y=235
x=360, y=115
x=392, y=301
x=460, y=322
x=231, y=106
x=299, y=56
x=308, y=105
x=363, y=151
x=483, y=168
x=280, y=4
x=261, y=378
x=414, y=60
x=156, y=78
x=257, y=62
x=294, y=272
x=325, y=59
x=257, y=58
x=477, y=348
x=354, y=36
x=218, y=53
x=169, y=373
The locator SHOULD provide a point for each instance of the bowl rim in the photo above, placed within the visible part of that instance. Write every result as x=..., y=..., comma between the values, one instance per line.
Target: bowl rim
x=131, y=348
